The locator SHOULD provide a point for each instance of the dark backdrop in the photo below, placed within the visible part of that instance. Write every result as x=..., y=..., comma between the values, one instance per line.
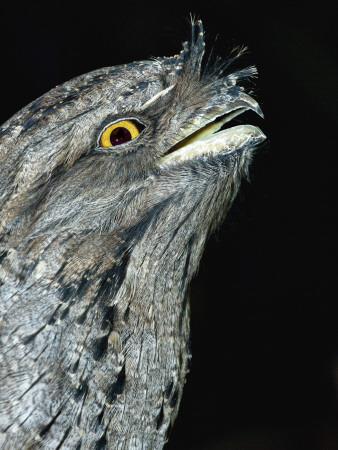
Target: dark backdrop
x=263, y=323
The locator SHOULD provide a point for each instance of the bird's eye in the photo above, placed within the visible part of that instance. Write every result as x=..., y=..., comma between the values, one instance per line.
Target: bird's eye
x=120, y=132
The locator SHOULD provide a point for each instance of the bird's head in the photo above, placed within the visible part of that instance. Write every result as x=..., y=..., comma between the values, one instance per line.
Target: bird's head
x=109, y=187
x=145, y=147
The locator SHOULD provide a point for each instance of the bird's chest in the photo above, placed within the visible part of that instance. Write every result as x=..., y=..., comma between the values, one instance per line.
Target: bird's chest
x=106, y=353
x=153, y=339
x=125, y=359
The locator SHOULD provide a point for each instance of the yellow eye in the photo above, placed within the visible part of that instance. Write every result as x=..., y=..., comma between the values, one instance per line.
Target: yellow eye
x=120, y=132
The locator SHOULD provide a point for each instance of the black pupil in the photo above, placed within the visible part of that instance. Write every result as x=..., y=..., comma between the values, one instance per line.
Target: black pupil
x=119, y=136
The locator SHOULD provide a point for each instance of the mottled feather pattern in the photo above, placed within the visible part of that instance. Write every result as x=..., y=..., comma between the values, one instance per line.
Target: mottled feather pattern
x=98, y=247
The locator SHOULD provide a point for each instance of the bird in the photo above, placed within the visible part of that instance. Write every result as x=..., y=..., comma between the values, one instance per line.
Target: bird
x=110, y=186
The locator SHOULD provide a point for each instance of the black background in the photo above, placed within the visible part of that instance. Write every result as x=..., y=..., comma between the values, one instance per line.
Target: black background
x=265, y=360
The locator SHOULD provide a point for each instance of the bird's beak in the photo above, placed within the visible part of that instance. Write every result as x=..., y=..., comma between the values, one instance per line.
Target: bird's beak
x=203, y=137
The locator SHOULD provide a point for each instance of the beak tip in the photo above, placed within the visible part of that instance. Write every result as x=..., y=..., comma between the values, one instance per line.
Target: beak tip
x=259, y=111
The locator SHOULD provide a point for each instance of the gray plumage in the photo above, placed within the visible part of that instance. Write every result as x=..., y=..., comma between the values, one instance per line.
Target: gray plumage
x=99, y=244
